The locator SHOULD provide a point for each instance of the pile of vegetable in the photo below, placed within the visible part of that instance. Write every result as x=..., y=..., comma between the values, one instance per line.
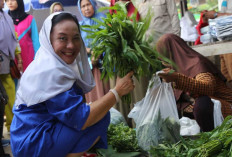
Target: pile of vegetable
x=159, y=130
x=122, y=138
x=122, y=40
x=209, y=144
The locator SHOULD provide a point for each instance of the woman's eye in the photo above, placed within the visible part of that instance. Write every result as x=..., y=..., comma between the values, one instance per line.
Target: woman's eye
x=62, y=38
x=77, y=38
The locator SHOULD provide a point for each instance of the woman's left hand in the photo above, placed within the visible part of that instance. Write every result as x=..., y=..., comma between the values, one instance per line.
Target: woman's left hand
x=168, y=75
x=20, y=67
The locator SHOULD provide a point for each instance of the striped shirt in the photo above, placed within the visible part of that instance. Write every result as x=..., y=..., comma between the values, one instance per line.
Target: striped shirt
x=207, y=84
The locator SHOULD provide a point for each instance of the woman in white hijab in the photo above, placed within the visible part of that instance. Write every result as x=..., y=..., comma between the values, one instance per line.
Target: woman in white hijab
x=51, y=116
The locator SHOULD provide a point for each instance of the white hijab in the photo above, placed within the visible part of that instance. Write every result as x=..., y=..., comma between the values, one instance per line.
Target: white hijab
x=48, y=75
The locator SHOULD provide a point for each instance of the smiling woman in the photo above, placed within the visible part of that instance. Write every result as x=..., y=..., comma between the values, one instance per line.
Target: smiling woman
x=51, y=117
x=66, y=41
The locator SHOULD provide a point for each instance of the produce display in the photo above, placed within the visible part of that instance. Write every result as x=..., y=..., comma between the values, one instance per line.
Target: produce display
x=122, y=138
x=217, y=143
x=122, y=42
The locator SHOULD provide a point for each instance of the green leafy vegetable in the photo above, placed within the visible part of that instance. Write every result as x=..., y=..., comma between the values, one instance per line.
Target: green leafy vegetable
x=122, y=138
x=122, y=40
x=217, y=143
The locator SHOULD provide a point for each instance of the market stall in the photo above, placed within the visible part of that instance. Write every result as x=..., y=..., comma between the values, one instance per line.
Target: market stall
x=215, y=48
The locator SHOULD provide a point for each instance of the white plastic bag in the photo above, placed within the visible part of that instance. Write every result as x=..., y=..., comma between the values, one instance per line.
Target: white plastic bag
x=188, y=127
x=134, y=113
x=217, y=113
x=157, y=121
x=188, y=30
x=116, y=117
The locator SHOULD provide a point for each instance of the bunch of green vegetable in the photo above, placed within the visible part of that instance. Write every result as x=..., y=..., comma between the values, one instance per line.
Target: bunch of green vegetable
x=122, y=40
x=209, y=144
x=122, y=138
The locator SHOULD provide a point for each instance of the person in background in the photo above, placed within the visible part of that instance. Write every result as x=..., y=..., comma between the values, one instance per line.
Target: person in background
x=56, y=7
x=225, y=59
x=198, y=77
x=164, y=17
x=51, y=117
x=9, y=49
x=3, y=102
x=26, y=28
x=88, y=11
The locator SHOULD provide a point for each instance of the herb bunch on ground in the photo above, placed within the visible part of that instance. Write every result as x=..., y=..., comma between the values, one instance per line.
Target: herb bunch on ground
x=216, y=143
x=122, y=41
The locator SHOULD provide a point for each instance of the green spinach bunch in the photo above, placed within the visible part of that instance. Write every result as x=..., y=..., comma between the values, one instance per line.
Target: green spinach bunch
x=122, y=40
x=122, y=138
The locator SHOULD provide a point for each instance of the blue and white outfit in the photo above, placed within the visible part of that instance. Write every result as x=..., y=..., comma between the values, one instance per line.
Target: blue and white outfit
x=49, y=111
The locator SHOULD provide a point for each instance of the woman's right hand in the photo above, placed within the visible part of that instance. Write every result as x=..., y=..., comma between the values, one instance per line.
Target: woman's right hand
x=125, y=85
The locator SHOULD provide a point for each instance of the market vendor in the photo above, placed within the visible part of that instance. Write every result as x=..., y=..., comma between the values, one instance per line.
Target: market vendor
x=196, y=75
x=51, y=117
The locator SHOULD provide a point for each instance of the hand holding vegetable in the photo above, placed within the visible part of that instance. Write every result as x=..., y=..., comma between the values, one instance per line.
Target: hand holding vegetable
x=125, y=85
x=168, y=75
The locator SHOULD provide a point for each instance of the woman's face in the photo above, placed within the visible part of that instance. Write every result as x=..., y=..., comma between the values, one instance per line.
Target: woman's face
x=66, y=40
x=87, y=8
x=57, y=8
x=12, y=4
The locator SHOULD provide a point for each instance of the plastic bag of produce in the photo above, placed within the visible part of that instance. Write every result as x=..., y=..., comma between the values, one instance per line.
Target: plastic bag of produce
x=116, y=117
x=158, y=121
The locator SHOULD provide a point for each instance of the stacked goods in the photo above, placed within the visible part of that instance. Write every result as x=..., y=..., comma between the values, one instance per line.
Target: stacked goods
x=220, y=27
x=121, y=39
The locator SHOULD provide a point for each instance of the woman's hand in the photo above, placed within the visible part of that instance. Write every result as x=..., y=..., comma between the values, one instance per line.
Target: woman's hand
x=19, y=62
x=125, y=85
x=88, y=50
x=20, y=67
x=94, y=60
x=168, y=75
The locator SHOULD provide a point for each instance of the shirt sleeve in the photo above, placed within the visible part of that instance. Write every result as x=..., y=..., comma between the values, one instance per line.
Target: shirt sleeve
x=172, y=10
x=68, y=108
x=203, y=84
x=35, y=35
